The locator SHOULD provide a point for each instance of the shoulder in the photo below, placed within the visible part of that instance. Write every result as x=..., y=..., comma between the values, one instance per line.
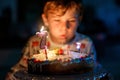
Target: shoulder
x=34, y=38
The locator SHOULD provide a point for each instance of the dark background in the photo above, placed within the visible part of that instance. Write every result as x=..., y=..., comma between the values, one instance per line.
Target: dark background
x=20, y=19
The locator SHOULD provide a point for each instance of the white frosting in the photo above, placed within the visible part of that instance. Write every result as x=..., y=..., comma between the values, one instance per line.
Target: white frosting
x=51, y=55
x=40, y=57
x=77, y=55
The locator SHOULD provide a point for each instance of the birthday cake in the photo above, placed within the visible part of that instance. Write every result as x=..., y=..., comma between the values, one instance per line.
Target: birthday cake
x=72, y=59
x=59, y=61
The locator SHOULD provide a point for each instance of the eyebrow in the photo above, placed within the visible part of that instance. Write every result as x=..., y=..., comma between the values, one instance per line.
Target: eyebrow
x=56, y=15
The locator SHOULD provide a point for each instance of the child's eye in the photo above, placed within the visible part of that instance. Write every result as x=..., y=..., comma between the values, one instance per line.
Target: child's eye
x=72, y=20
x=56, y=20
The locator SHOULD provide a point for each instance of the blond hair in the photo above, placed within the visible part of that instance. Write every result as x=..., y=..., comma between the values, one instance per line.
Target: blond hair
x=62, y=6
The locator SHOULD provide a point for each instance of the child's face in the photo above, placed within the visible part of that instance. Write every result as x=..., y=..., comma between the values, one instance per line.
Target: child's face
x=62, y=28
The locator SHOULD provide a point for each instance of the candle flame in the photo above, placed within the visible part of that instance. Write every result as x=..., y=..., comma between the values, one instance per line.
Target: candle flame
x=78, y=45
x=42, y=28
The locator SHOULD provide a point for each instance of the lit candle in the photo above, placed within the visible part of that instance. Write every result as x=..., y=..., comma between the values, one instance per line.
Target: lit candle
x=78, y=44
x=46, y=52
x=68, y=49
x=43, y=35
x=42, y=32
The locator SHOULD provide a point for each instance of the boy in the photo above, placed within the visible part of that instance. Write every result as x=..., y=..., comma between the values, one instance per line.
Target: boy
x=61, y=18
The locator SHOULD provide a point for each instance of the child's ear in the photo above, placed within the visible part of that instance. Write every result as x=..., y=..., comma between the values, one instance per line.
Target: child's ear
x=45, y=20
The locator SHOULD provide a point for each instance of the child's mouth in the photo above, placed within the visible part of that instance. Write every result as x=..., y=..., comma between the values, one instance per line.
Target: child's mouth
x=63, y=36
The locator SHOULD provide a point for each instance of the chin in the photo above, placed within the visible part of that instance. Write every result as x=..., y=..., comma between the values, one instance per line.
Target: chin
x=63, y=42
